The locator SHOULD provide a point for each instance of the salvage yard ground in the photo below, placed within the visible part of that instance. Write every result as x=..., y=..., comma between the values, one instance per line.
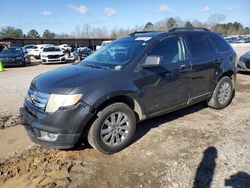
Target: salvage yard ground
x=197, y=146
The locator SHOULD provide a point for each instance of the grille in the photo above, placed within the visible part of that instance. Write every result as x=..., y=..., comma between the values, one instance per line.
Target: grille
x=38, y=99
x=53, y=56
x=247, y=63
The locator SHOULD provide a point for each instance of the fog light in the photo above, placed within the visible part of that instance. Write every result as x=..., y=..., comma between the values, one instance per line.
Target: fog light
x=51, y=137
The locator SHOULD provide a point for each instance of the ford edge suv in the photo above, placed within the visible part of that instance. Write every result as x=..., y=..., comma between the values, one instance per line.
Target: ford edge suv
x=104, y=96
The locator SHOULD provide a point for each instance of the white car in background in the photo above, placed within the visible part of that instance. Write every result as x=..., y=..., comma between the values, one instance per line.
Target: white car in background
x=28, y=47
x=65, y=47
x=36, y=50
x=104, y=43
x=52, y=54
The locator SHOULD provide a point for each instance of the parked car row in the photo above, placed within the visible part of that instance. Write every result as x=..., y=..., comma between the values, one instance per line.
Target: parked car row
x=47, y=53
x=238, y=39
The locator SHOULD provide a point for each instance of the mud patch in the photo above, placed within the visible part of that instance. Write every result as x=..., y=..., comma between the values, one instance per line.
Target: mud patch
x=52, y=168
x=9, y=121
x=46, y=167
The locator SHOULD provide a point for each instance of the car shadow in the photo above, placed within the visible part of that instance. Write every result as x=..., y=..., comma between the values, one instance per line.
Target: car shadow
x=244, y=73
x=205, y=171
x=33, y=63
x=145, y=126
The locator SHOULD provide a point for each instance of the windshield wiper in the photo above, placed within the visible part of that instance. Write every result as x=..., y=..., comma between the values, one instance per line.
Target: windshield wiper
x=96, y=66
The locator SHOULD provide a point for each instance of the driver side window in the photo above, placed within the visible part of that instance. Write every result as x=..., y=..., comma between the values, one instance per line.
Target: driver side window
x=170, y=49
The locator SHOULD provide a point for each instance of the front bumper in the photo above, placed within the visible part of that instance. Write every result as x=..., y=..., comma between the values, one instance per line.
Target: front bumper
x=56, y=60
x=12, y=62
x=68, y=124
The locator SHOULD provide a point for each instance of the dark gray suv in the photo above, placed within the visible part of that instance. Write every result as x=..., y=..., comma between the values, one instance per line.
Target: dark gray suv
x=134, y=78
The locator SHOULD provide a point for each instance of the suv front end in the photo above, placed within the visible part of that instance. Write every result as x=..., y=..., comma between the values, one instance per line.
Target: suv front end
x=54, y=120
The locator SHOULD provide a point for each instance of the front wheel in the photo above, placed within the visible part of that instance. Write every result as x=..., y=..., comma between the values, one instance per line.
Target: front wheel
x=113, y=128
x=24, y=63
x=223, y=94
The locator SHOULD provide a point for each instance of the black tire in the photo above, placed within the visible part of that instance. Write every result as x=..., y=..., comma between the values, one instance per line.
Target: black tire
x=215, y=101
x=24, y=63
x=95, y=138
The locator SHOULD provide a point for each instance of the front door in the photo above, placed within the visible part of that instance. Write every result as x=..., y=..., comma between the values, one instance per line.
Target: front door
x=167, y=86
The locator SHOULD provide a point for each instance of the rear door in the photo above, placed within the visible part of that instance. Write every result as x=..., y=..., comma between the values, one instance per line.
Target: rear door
x=203, y=69
x=225, y=53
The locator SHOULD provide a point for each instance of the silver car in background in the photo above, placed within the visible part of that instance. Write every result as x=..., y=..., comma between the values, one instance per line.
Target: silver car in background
x=244, y=63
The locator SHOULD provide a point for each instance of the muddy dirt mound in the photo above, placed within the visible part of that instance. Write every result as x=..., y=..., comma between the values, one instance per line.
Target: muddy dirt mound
x=9, y=121
x=45, y=167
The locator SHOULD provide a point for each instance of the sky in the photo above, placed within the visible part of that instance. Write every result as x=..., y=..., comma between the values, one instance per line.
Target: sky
x=63, y=16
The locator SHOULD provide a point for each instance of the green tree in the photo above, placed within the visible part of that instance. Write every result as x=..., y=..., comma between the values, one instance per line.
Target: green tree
x=48, y=34
x=148, y=26
x=170, y=23
x=188, y=25
x=33, y=34
x=237, y=25
x=11, y=32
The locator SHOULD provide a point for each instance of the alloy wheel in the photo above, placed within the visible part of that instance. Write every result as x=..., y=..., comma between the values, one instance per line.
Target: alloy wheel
x=115, y=129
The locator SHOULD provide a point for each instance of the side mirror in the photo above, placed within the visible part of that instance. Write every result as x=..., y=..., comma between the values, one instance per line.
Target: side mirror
x=152, y=61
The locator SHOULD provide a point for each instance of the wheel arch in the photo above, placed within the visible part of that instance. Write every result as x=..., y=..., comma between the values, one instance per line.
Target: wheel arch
x=128, y=100
x=231, y=74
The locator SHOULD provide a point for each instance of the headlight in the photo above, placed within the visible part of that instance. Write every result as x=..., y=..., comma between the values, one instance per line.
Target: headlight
x=19, y=58
x=44, y=55
x=56, y=101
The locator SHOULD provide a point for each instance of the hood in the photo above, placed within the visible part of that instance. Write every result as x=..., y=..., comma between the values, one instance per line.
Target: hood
x=246, y=56
x=10, y=55
x=52, y=53
x=65, y=79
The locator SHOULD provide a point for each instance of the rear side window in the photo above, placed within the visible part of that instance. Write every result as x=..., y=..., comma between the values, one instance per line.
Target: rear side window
x=220, y=44
x=170, y=49
x=198, y=46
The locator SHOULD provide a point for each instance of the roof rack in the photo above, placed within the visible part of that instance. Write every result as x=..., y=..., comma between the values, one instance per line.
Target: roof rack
x=188, y=29
x=138, y=32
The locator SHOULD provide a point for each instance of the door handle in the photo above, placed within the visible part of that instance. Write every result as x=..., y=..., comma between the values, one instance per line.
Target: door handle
x=182, y=68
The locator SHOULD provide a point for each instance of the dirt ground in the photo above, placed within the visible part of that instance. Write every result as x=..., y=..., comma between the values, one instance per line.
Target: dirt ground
x=193, y=147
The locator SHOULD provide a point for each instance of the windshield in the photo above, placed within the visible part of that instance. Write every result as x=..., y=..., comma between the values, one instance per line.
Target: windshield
x=51, y=49
x=117, y=54
x=11, y=51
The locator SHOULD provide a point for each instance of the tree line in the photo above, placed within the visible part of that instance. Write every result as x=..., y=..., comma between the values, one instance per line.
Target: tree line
x=12, y=32
x=215, y=23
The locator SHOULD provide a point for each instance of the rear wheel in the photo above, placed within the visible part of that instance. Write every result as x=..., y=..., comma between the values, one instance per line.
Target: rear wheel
x=113, y=129
x=223, y=94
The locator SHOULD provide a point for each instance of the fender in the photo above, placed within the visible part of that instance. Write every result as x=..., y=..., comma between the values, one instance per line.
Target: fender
x=227, y=68
x=118, y=90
